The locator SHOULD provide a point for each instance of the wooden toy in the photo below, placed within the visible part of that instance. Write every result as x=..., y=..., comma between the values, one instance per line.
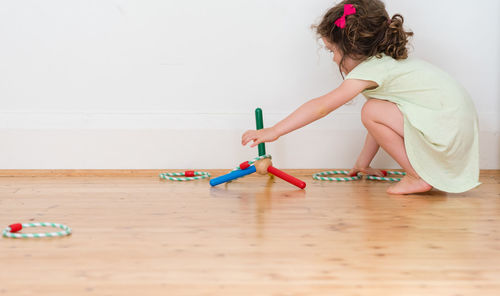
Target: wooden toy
x=232, y=175
x=262, y=164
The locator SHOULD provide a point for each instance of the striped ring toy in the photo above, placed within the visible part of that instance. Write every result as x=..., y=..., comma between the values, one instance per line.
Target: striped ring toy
x=387, y=178
x=317, y=176
x=247, y=164
x=188, y=176
x=11, y=230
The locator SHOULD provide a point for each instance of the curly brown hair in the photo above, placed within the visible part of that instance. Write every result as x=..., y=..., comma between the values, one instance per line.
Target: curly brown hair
x=369, y=32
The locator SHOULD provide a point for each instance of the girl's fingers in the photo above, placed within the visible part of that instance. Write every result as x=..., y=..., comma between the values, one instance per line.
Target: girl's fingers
x=250, y=136
x=373, y=172
x=247, y=140
x=353, y=172
x=247, y=137
x=256, y=142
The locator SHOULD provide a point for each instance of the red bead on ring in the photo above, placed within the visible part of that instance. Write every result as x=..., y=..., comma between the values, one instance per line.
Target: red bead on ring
x=15, y=227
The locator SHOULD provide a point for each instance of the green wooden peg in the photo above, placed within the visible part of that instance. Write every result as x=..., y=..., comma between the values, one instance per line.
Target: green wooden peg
x=260, y=125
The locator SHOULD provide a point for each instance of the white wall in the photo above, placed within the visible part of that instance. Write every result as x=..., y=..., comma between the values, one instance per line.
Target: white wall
x=173, y=84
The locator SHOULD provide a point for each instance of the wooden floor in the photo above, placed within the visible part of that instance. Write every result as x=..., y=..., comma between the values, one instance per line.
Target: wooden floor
x=137, y=235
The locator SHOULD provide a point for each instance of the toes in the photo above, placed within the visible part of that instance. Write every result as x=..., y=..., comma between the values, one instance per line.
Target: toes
x=392, y=189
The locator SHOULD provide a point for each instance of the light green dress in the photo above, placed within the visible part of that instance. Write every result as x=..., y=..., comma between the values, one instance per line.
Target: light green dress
x=440, y=120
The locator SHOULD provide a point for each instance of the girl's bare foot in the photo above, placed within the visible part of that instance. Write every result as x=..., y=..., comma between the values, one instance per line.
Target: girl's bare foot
x=408, y=185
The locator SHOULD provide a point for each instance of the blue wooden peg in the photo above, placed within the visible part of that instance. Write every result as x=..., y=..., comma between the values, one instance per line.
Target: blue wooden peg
x=232, y=175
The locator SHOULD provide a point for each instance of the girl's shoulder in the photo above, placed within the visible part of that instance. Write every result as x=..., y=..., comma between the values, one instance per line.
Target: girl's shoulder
x=384, y=65
x=374, y=68
x=387, y=61
x=383, y=68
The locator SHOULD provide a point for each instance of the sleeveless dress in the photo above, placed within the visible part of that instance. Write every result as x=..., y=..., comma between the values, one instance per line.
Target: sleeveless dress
x=440, y=120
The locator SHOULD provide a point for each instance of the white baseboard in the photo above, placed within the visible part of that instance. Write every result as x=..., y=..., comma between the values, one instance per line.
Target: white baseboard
x=180, y=141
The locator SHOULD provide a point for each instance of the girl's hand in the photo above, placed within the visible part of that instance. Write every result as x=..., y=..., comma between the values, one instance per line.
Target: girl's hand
x=259, y=136
x=367, y=171
x=354, y=172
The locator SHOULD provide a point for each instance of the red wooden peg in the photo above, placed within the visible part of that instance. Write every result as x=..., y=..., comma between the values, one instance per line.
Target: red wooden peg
x=290, y=179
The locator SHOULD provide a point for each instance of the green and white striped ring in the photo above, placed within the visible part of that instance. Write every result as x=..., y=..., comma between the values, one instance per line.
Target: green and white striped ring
x=7, y=232
x=388, y=178
x=250, y=162
x=200, y=175
x=317, y=176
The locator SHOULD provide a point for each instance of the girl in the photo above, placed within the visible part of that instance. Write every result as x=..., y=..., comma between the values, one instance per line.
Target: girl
x=419, y=115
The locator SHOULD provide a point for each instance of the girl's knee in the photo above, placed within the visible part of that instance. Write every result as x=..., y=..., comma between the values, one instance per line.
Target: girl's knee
x=383, y=112
x=369, y=111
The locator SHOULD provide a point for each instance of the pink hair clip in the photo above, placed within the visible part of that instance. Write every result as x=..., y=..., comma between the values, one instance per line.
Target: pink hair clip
x=349, y=9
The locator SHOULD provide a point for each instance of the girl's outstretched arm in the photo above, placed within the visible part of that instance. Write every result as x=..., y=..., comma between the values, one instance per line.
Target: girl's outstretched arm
x=309, y=112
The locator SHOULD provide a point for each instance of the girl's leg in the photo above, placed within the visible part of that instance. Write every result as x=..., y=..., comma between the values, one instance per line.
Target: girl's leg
x=385, y=123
